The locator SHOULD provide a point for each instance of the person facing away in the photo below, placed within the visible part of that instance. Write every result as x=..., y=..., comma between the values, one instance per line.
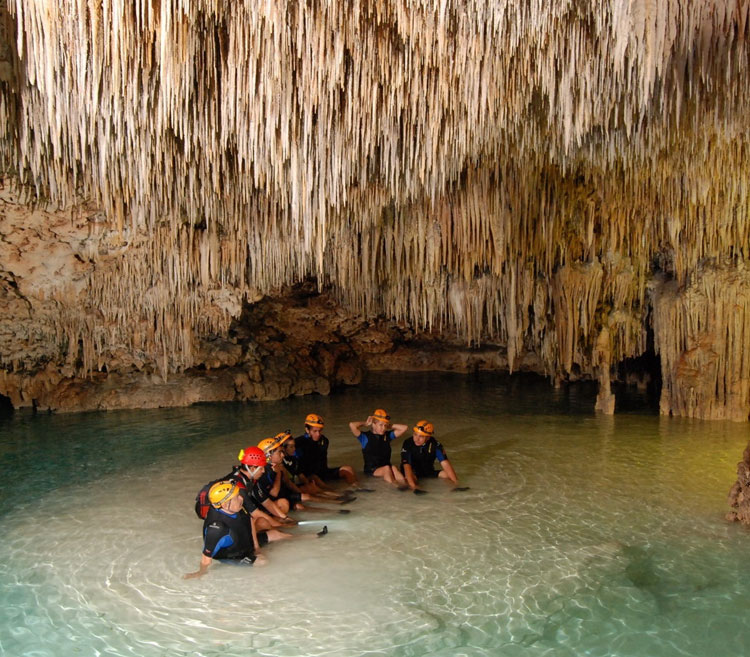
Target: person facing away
x=228, y=530
x=311, y=450
x=376, y=445
x=418, y=455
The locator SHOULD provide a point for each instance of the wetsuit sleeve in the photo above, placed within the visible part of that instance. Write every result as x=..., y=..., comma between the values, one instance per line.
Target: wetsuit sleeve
x=216, y=538
x=248, y=501
x=440, y=453
x=362, y=438
x=391, y=435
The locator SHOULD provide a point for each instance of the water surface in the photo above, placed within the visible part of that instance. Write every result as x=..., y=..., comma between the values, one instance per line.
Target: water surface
x=580, y=534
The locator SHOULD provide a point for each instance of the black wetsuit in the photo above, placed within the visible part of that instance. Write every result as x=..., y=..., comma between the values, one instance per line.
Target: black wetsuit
x=376, y=449
x=262, y=489
x=421, y=458
x=228, y=535
x=291, y=463
x=313, y=457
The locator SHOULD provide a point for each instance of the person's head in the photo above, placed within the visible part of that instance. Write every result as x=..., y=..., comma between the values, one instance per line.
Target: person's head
x=269, y=447
x=282, y=440
x=288, y=447
x=225, y=495
x=314, y=426
x=381, y=421
x=253, y=461
x=423, y=431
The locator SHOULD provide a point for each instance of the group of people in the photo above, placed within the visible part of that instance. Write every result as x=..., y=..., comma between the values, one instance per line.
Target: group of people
x=250, y=506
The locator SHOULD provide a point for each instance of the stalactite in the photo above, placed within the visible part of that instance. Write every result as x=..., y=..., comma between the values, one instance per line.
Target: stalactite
x=506, y=172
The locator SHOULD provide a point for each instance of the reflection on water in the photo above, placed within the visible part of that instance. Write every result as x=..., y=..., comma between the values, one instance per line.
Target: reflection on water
x=580, y=534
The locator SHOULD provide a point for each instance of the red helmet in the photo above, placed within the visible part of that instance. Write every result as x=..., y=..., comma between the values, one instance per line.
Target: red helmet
x=252, y=456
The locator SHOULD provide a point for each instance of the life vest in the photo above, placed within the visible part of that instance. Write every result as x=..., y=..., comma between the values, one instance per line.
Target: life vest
x=377, y=451
x=237, y=526
x=422, y=457
x=312, y=455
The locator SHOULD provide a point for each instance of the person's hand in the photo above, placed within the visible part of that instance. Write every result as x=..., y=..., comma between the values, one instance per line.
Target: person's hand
x=197, y=573
x=260, y=559
x=368, y=421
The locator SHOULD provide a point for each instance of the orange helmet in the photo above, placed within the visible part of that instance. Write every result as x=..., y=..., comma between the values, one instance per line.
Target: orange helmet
x=282, y=437
x=221, y=492
x=252, y=456
x=314, y=420
x=424, y=428
x=267, y=445
x=381, y=415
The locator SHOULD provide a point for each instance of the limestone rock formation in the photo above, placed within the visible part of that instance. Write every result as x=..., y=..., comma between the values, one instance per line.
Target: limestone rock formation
x=549, y=184
x=739, y=496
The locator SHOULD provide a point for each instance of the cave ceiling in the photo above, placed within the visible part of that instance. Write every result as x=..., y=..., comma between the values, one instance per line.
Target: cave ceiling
x=560, y=178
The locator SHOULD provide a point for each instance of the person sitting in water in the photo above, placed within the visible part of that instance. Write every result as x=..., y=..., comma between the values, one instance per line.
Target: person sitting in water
x=293, y=480
x=418, y=455
x=266, y=492
x=376, y=445
x=228, y=531
x=252, y=467
x=311, y=450
x=289, y=491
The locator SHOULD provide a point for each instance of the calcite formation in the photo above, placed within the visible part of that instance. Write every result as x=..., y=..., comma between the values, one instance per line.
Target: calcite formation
x=739, y=495
x=553, y=186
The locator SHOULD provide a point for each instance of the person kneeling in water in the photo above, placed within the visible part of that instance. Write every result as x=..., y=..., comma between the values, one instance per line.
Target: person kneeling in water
x=228, y=530
x=376, y=445
x=418, y=455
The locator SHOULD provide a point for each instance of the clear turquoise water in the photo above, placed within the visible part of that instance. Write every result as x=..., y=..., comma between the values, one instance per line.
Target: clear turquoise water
x=580, y=534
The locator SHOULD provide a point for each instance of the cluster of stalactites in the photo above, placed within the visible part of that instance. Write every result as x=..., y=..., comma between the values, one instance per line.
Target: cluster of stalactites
x=505, y=171
x=701, y=333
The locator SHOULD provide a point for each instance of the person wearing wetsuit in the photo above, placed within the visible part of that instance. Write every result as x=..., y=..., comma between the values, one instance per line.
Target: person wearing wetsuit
x=228, y=530
x=376, y=445
x=267, y=490
x=311, y=450
x=251, y=469
x=418, y=455
x=291, y=474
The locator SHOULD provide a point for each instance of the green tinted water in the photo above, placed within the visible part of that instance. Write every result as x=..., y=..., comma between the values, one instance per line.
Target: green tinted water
x=580, y=534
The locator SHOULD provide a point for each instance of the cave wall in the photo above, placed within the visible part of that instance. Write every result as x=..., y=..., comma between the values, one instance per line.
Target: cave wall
x=536, y=185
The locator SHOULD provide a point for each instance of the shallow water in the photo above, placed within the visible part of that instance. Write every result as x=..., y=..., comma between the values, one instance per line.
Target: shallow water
x=580, y=534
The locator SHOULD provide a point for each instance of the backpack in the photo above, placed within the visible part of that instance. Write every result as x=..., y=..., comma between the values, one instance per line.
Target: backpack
x=202, y=504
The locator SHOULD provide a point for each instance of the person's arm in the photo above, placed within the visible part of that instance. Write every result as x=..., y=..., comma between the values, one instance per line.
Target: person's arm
x=356, y=427
x=202, y=570
x=288, y=480
x=276, y=483
x=398, y=429
x=448, y=469
x=410, y=478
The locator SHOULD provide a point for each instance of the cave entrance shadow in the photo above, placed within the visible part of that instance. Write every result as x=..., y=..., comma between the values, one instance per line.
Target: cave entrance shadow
x=638, y=383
